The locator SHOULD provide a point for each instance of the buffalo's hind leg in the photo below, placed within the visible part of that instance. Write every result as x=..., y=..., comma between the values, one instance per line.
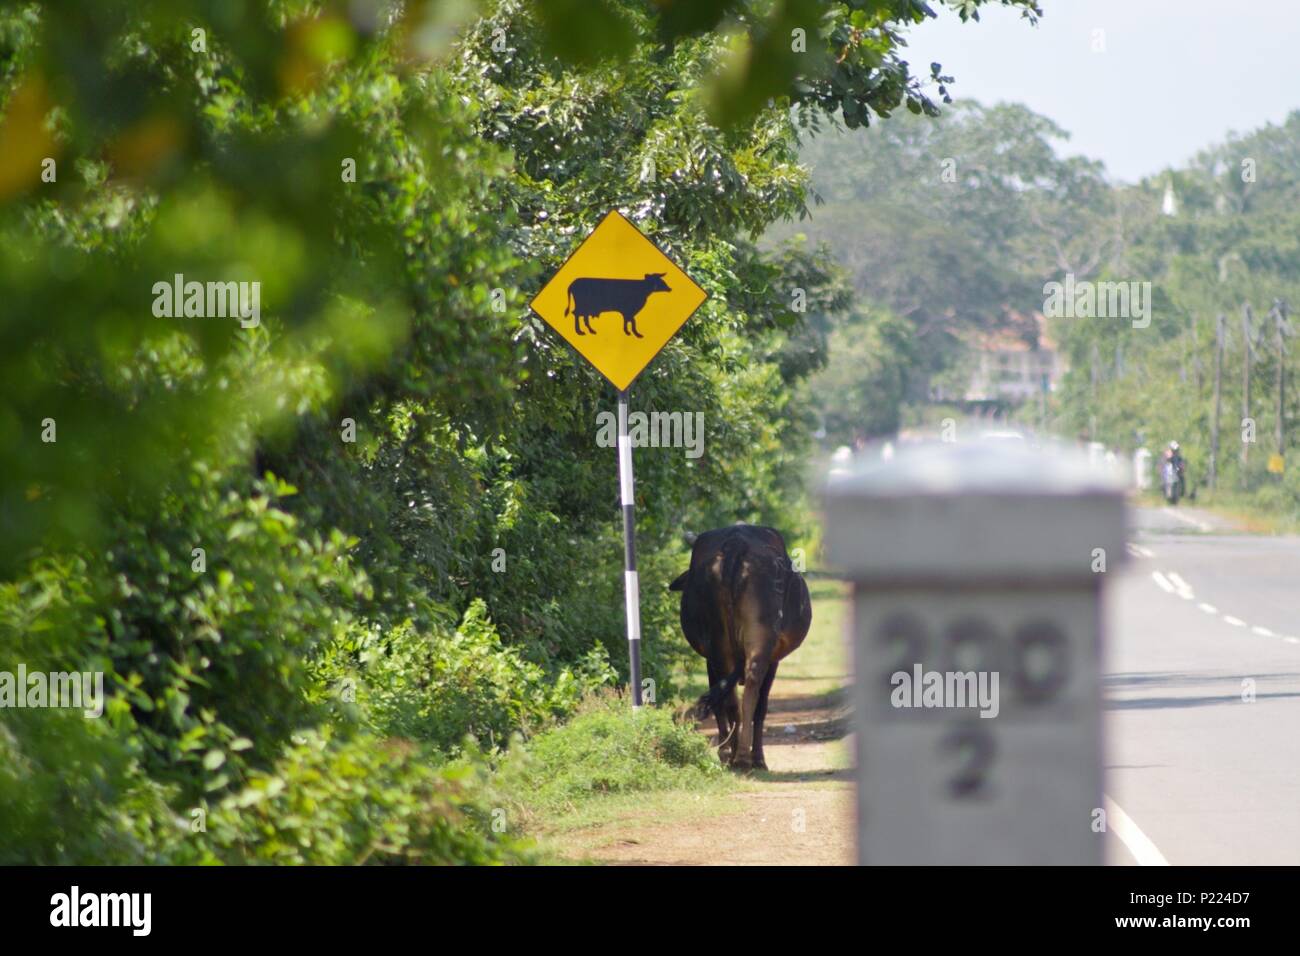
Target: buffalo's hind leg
x=576, y=327
x=760, y=717
x=756, y=671
x=722, y=710
x=587, y=319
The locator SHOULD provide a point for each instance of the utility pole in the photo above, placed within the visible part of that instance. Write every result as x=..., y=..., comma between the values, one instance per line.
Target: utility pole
x=1092, y=428
x=1247, y=355
x=631, y=583
x=1189, y=344
x=1281, y=329
x=1192, y=357
x=1220, y=328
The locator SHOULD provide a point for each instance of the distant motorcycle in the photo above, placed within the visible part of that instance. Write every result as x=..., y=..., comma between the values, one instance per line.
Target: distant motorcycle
x=1172, y=482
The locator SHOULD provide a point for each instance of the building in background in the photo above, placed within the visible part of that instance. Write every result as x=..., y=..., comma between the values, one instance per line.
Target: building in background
x=1013, y=364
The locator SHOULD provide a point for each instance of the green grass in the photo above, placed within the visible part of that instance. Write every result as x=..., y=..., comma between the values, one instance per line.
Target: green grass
x=604, y=760
x=566, y=837
x=1251, y=511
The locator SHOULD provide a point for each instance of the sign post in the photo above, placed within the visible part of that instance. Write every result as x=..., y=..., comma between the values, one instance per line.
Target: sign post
x=618, y=300
x=977, y=576
x=631, y=586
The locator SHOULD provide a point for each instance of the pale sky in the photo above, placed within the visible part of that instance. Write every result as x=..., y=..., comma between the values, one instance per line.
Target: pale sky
x=1176, y=75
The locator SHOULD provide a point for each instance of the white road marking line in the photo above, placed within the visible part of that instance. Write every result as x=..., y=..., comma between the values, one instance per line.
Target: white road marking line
x=1163, y=581
x=1131, y=835
x=1140, y=552
x=1292, y=640
x=1173, y=583
x=1196, y=523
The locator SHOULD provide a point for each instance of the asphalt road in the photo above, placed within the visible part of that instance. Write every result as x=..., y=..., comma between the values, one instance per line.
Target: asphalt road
x=1203, y=620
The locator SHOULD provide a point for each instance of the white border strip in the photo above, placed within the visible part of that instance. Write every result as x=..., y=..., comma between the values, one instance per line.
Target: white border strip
x=625, y=470
x=632, y=598
x=1131, y=835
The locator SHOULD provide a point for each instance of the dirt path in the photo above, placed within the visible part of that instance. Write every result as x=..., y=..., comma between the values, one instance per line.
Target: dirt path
x=800, y=812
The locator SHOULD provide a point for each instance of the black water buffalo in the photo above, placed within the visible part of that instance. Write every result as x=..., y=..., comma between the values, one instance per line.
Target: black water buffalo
x=744, y=608
x=591, y=297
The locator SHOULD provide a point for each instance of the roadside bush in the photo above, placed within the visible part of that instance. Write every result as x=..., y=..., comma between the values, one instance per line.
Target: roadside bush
x=606, y=748
x=65, y=784
x=437, y=686
x=361, y=800
x=210, y=661
x=326, y=800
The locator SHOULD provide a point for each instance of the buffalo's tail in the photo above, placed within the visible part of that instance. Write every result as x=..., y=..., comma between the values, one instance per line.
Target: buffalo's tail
x=732, y=552
x=711, y=703
x=567, y=299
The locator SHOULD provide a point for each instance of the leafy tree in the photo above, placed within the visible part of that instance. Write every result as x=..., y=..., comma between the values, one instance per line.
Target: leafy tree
x=953, y=222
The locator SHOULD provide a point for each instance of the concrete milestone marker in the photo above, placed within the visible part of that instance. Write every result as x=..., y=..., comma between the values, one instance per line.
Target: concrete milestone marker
x=976, y=629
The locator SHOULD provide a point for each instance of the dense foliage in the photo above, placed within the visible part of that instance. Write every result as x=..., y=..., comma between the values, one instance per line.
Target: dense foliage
x=312, y=548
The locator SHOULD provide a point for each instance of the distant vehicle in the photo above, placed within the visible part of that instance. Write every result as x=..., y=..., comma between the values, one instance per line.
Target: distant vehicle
x=1001, y=436
x=1173, y=471
x=841, y=458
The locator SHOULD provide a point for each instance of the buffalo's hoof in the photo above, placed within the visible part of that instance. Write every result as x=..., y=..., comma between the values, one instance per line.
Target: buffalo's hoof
x=742, y=763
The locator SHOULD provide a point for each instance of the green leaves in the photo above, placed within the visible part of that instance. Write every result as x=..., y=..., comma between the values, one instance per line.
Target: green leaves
x=586, y=32
x=438, y=686
x=842, y=56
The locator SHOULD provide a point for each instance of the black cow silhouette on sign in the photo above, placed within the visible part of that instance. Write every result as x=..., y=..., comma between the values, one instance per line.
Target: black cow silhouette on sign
x=591, y=297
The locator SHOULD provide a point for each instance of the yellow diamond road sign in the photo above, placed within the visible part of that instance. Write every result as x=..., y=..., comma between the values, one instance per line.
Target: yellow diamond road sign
x=618, y=300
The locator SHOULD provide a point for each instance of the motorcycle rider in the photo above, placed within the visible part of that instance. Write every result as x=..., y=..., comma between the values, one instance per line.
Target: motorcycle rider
x=1174, y=457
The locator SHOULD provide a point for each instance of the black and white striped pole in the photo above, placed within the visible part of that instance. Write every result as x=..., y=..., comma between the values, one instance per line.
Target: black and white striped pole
x=631, y=586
